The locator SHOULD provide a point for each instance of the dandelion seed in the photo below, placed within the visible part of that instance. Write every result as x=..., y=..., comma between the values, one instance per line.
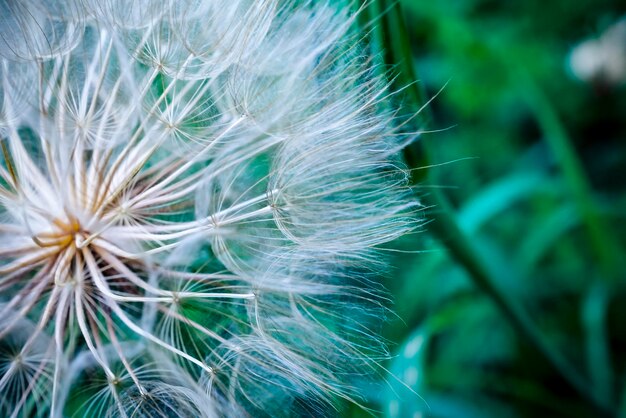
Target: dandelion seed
x=187, y=193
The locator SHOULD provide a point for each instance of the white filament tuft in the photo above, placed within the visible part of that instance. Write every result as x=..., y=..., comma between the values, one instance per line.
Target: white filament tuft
x=191, y=195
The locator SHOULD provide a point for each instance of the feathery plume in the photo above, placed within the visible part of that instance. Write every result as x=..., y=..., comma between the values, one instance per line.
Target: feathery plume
x=192, y=194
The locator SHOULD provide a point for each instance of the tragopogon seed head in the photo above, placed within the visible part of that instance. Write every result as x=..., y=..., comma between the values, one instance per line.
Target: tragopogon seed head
x=191, y=193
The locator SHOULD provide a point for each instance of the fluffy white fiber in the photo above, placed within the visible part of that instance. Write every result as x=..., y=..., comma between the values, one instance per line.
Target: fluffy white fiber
x=192, y=194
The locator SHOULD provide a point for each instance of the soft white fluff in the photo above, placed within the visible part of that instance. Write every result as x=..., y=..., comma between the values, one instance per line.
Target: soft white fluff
x=191, y=193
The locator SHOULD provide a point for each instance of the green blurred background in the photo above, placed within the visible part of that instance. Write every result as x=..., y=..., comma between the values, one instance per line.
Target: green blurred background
x=510, y=299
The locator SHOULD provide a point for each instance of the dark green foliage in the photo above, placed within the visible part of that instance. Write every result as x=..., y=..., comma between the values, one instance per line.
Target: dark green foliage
x=516, y=297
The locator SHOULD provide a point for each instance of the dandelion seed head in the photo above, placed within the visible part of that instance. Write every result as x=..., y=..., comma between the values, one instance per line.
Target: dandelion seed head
x=192, y=196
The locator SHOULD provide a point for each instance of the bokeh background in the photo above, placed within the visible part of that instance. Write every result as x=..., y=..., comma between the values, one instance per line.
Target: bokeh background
x=511, y=300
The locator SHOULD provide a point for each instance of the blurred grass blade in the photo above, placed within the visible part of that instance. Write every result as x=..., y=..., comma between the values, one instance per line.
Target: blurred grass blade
x=500, y=195
x=594, y=311
x=539, y=240
x=401, y=399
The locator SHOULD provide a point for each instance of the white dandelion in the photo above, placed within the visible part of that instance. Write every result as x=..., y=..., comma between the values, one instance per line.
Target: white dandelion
x=191, y=196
